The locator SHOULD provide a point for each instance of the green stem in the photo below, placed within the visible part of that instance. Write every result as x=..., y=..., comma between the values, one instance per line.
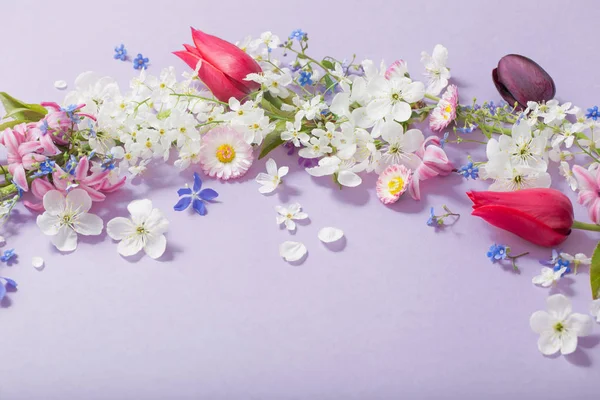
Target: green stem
x=431, y=97
x=513, y=260
x=199, y=97
x=496, y=129
x=585, y=226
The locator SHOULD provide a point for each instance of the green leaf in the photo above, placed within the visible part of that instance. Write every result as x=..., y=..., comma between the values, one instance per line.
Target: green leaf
x=10, y=124
x=271, y=142
x=595, y=273
x=329, y=83
x=21, y=111
x=163, y=114
x=328, y=64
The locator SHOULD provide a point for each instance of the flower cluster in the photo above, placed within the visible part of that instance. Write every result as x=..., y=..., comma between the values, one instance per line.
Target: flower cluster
x=345, y=118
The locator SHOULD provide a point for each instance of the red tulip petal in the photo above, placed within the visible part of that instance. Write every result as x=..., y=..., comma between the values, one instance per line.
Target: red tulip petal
x=549, y=206
x=214, y=79
x=226, y=57
x=192, y=50
x=521, y=224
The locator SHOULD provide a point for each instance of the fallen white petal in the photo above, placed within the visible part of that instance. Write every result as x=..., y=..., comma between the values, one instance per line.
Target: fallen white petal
x=2, y=241
x=60, y=85
x=37, y=262
x=292, y=251
x=329, y=234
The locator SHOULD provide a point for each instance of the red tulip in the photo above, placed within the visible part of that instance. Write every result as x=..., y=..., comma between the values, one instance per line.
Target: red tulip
x=224, y=65
x=520, y=79
x=541, y=216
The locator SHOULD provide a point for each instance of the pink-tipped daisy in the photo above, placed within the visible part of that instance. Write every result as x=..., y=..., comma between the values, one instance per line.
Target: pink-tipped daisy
x=398, y=69
x=224, y=154
x=392, y=182
x=445, y=111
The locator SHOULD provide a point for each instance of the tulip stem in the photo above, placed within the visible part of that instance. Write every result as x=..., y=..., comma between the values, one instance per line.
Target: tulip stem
x=585, y=226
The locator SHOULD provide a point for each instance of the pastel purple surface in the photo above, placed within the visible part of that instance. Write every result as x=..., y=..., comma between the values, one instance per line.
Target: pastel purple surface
x=400, y=311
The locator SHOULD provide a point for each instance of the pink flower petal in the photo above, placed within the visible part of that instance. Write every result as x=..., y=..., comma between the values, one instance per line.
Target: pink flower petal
x=585, y=178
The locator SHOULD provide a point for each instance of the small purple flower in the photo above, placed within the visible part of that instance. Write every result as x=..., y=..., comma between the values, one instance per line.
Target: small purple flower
x=497, y=252
x=120, y=53
x=307, y=162
x=432, y=221
x=298, y=34
x=196, y=197
x=469, y=171
x=290, y=148
x=140, y=62
x=444, y=140
x=304, y=78
x=467, y=129
x=593, y=113
x=8, y=255
x=6, y=283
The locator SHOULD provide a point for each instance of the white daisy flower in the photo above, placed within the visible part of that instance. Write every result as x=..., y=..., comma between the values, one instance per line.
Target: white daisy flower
x=224, y=154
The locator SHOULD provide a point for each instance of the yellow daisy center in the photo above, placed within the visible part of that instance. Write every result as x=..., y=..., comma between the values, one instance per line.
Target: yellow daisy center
x=395, y=185
x=225, y=153
x=448, y=109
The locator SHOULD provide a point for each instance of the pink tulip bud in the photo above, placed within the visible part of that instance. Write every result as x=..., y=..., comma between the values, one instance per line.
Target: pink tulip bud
x=223, y=68
x=520, y=79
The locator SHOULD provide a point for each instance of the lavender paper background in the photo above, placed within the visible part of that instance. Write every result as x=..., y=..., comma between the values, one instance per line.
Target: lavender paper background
x=400, y=312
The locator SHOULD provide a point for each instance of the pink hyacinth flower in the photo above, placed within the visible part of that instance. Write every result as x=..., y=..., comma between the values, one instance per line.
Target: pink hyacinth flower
x=434, y=162
x=21, y=155
x=39, y=187
x=589, y=191
x=65, y=181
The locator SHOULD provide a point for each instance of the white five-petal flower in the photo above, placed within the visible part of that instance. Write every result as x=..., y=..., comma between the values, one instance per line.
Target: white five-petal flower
x=272, y=178
x=145, y=230
x=595, y=309
x=435, y=69
x=576, y=260
x=558, y=327
x=548, y=276
x=64, y=218
x=346, y=171
x=289, y=214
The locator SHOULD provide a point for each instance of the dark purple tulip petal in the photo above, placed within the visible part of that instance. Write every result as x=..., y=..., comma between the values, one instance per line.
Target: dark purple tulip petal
x=502, y=89
x=520, y=79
